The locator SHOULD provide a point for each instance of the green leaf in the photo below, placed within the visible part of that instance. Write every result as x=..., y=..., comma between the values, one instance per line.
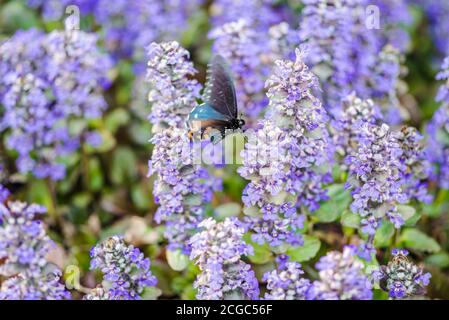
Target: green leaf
x=108, y=143
x=140, y=197
x=415, y=239
x=82, y=199
x=140, y=132
x=230, y=209
x=411, y=222
x=305, y=252
x=335, y=206
x=406, y=211
x=350, y=219
x=251, y=211
x=189, y=293
x=116, y=118
x=440, y=260
x=124, y=165
x=338, y=173
x=197, y=25
x=77, y=126
x=38, y=193
x=151, y=293
x=371, y=265
x=67, y=185
x=15, y=15
x=383, y=235
x=262, y=252
x=233, y=184
x=96, y=179
x=164, y=276
x=193, y=200
x=177, y=260
x=434, y=210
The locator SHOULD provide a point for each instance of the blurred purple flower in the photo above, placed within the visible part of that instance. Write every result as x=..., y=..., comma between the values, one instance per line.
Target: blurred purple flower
x=4, y=192
x=341, y=278
x=128, y=26
x=48, y=80
x=262, y=14
x=417, y=168
x=437, y=148
x=286, y=282
x=395, y=17
x=437, y=13
x=346, y=54
x=24, y=246
x=55, y=9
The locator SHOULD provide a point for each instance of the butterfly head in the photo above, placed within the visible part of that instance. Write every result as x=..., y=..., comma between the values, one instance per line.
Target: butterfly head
x=241, y=122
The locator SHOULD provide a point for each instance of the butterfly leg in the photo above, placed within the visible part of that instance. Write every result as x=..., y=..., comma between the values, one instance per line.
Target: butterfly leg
x=223, y=132
x=203, y=130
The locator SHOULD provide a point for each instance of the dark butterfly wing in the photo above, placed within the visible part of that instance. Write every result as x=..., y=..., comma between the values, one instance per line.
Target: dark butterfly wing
x=220, y=91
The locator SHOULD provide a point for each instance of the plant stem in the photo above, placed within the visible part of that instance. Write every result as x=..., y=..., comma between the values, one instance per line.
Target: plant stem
x=395, y=239
x=52, y=209
x=85, y=166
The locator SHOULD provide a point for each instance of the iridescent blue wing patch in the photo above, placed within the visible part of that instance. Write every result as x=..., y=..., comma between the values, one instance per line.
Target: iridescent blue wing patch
x=206, y=112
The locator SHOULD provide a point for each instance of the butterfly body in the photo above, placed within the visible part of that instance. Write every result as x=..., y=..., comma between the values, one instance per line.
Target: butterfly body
x=219, y=111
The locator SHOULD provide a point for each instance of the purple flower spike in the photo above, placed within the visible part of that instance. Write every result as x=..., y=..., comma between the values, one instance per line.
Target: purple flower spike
x=341, y=278
x=172, y=94
x=285, y=158
x=401, y=278
x=286, y=282
x=376, y=176
x=125, y=269
x=182, y=186
x=217, y=251
x=24, y=246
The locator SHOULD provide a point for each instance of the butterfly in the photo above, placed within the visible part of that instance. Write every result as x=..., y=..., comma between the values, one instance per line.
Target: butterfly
x=219, y=110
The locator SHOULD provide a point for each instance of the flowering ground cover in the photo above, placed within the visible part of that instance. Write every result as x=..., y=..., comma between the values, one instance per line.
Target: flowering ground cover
x=225, y=149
